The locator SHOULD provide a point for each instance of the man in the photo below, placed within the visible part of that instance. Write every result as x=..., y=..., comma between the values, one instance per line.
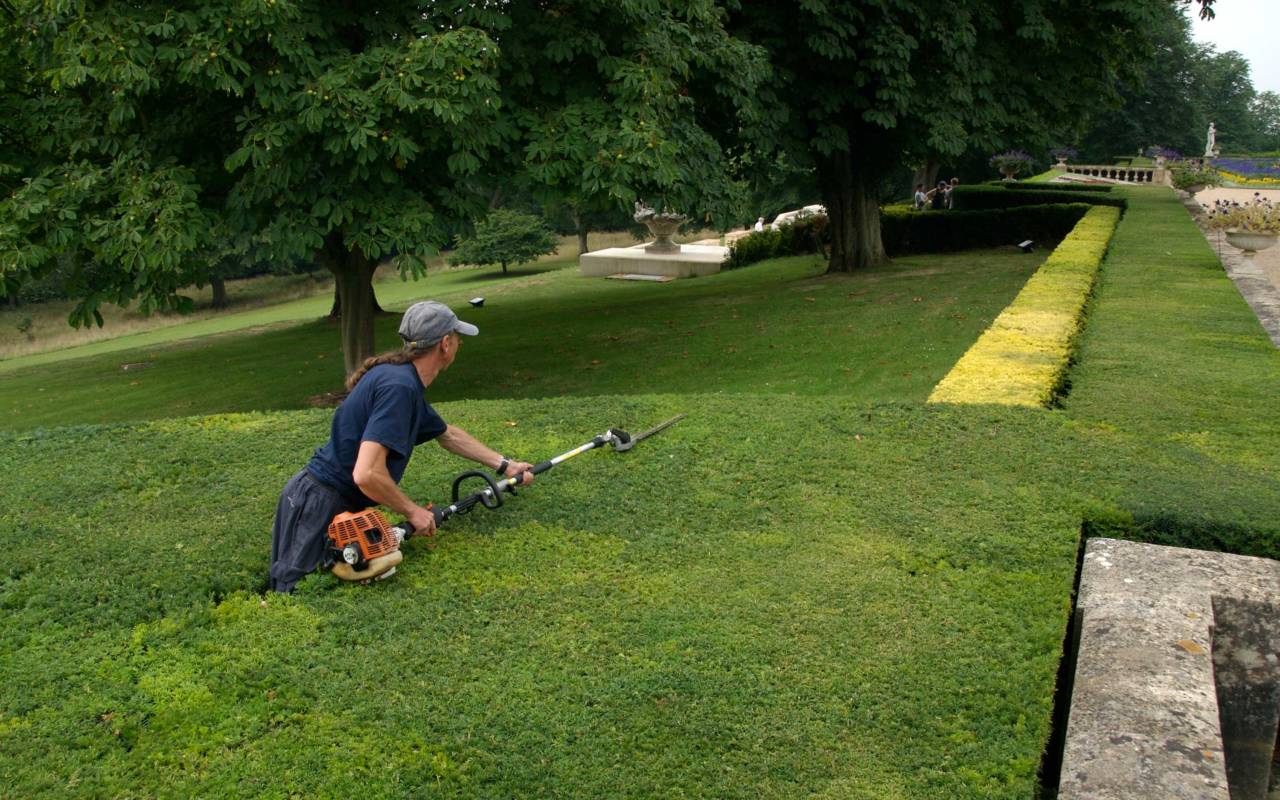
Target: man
x=921, y=198
x=373, y=435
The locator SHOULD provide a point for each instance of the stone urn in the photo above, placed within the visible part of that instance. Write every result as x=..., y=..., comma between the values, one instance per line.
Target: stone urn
x=662, y=225
x=1193, y=188
x=1062, y=162
x=1251, y=241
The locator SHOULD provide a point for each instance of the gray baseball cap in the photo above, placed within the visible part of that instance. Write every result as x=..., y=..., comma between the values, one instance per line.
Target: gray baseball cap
x=428, y=322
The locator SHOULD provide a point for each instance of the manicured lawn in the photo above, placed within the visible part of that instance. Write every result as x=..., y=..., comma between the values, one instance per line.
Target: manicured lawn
x=797, y=591
x=1174, y=360
x=781, y=327
x=785, y=595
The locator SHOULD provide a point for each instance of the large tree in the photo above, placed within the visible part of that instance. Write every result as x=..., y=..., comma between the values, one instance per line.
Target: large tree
x=154, y=140
x=862, y=88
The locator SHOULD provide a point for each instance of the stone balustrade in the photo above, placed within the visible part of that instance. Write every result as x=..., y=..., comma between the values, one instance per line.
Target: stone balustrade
x=1158, y=176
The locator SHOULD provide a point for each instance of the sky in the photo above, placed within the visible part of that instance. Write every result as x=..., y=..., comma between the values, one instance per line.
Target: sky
x=1250, y=27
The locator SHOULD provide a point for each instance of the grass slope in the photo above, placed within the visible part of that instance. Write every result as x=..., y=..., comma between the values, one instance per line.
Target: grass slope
x=784, y=595
x=778, y=327
x=810, y=611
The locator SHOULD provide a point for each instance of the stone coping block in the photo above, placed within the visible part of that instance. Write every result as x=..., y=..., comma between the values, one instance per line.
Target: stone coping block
x=1145, y=717
x=692, y=260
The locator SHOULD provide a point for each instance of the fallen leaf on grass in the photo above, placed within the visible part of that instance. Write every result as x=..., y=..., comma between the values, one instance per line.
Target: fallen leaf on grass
x=511, y=423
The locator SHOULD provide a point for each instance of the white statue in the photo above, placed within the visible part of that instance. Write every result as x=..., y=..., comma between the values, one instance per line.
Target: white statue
x=1211, y=144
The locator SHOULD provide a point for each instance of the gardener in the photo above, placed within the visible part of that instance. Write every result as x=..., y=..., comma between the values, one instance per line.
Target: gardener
x=373, y=435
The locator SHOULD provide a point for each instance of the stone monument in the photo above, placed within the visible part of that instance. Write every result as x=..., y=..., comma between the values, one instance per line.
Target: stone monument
x=1211, y=144
x=662, y=225
x=662, y=257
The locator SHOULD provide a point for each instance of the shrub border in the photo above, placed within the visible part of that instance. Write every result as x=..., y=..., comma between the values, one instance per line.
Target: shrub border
x=1022, y=358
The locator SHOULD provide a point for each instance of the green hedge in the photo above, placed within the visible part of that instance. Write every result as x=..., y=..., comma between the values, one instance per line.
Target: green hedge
x=969, y=198
x=1023, y=357
x=905, y=231
x=805, y=235
x=1051, y=187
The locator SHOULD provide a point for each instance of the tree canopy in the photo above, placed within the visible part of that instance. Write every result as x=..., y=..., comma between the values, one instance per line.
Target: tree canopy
x=144, y=144
x=862, y=88
x=1175, y=93
x=156, y=140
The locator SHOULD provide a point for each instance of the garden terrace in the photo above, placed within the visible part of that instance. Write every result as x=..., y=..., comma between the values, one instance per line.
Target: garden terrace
x=822, y=586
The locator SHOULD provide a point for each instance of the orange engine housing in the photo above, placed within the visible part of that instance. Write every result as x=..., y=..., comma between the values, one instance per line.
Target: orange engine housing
x=368, y=529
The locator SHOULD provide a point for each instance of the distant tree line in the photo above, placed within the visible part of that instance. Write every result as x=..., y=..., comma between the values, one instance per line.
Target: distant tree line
x=1178, y=90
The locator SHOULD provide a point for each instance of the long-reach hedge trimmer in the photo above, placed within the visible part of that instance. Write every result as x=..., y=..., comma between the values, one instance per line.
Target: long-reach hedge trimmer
x=364, y=547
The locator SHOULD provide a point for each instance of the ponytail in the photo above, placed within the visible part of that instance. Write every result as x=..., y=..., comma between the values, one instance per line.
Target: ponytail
x=390, y=357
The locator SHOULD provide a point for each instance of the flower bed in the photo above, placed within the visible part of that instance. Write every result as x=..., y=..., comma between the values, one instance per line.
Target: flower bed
x=1262, y=172
x=1022, y=358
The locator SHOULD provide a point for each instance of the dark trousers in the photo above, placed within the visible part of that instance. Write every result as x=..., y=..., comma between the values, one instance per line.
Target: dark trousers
x=301, y=529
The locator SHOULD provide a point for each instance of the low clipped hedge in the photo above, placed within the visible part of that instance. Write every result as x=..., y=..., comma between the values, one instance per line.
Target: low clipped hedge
x=972, y=198
x=1051, y=187
x=1023, y=357
x=905, y=231
x=806, y=235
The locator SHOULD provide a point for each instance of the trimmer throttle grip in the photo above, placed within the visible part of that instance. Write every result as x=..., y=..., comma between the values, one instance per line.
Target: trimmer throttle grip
x=541, y=467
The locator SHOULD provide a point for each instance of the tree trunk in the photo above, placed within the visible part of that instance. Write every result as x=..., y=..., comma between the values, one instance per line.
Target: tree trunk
x=353, y=278
x=927, y=175
x=335, y=310
x=581, y=230
x=504, y=268
x=219, y=286
x=851, y=196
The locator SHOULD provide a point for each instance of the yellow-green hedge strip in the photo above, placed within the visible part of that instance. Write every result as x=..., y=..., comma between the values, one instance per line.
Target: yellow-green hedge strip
x=1021, y=359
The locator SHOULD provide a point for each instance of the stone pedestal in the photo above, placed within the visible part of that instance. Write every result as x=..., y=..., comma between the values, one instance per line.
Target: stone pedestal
x=689, y=261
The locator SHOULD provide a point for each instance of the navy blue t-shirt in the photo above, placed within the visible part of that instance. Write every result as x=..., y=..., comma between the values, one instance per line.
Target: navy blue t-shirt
x=387, y=407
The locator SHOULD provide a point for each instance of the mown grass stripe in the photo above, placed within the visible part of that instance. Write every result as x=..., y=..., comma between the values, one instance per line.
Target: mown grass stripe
x=1022, y=358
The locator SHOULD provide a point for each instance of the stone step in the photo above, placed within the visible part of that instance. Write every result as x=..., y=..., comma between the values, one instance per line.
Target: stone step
x=1177, y=681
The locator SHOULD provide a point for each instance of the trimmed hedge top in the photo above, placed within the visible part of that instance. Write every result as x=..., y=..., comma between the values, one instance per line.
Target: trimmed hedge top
x=980, y=197
x=1051, y=187
x=904, y=230
x=1022, y=358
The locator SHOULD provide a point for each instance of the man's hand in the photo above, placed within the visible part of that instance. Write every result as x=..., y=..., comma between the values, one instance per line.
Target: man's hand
x=423, y=522
x=516, y=468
